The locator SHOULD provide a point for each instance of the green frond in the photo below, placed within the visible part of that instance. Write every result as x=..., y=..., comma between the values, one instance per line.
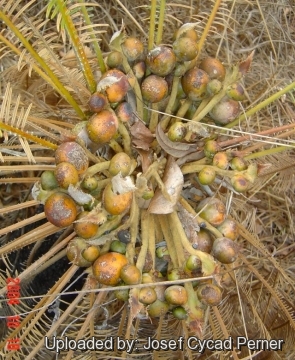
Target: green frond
x=66, y=22
x=46, y=73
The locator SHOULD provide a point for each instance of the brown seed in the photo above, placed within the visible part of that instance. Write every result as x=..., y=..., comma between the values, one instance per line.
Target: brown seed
x=130, y=274
x=124, y=112
x=66, y=174
x=214, y=212
x=74, y=252
x=73, y=153
x=116, y=204
x=118, y=87
x=225, y=111
x=107, y=268
x=176, y=295
x=185, y=48
x=229, y=229
x=60, y=209
x=102, y=127
x=207, y=175
x=225, y=250
x=240, y=183
x=114, y=59
x=147, y=295
x=97, y=102
x=161, y=60
x=209, y=294
x=213, y=67
x=85, y=229
x=194, y=83
x=154, y=88
x=158, y=308
x=120, y=162
x=91, y=253
x=132, y=48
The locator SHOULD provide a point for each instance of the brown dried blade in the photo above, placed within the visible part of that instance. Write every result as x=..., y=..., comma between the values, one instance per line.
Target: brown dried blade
x=176, y=149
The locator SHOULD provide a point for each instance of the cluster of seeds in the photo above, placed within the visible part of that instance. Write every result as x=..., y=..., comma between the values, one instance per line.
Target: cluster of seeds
x=97, y=199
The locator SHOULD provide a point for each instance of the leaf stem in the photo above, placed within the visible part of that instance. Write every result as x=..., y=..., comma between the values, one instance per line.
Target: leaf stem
x=94, y=169
x=145, y=220
x=207, y=27
x=28, y=136
x=261, y=105
x=78, y=47
x=272, y=151
x=152, y=24
x=49, y=75
x=154, y=118
x=161, y=22
x=208, y=263
x=171, y=102
x=93, y=37
x=126, y=140
x=166, y=230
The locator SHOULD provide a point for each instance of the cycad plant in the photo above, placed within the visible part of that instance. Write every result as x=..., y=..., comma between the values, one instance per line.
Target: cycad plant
x=147, y=187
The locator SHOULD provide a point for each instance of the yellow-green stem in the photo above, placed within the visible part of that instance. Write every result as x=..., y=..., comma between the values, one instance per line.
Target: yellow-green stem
x=126, y=140
x=261, y=105
x=194, y=304
x=272, y=151
x=77, y=45
x=176, y=242
x=152, y=239
x=134, y=215
x=197, y=167
x=28, y=136
x=94, y=169
x=108, y=226
x=209, y=105
x=161, y=22
x=152, y=24
x=115, y=146
x=184, y=108
x=172, y=99
x=136, y=86
x=145, y=231
x=168, y=238
x=47, y=74
x=154, y=118
x=208, y=264
x=209, y=227
x=207, y=27
x=94, y=43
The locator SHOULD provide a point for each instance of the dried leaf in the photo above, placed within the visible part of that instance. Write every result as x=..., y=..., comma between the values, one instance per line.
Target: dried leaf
x=122, y=185
x=136, y=307
x=184, y=28
x=107, y=82
x=36, y=191
x=117, y=38
x=79, y=196
x=176, y=149
x=146, y=159
x=95, y=216
x=142, y=137
x=198, y=128
x=195, y=326
x=173, y=181
x=190, y=225
x=244, y=65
